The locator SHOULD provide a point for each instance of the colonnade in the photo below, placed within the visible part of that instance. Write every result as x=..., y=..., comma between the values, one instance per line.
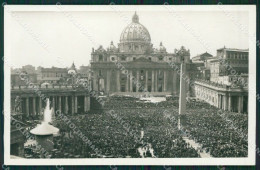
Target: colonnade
x=66, y=104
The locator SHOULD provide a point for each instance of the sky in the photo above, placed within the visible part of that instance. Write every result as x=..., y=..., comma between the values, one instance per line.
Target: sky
x=49, y=38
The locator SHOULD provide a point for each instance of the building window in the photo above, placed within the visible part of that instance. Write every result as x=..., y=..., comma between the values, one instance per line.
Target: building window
x=123, y=58
x=100, y=73
x=150, y=58
x=133, y=58
x=100, y=58
x=160, y=58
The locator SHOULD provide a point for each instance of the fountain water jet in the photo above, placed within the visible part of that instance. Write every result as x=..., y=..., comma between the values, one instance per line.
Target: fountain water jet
x=44, y=132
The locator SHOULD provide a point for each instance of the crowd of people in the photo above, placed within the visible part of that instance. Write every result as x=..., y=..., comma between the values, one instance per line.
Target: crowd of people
x=119, y=135
x=136, y=124
x=222, y=134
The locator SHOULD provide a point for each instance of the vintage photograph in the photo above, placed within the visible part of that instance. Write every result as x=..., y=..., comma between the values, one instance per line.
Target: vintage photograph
x=132, y=84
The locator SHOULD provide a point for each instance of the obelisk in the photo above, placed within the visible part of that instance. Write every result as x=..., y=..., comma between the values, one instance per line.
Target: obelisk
x=182, y=98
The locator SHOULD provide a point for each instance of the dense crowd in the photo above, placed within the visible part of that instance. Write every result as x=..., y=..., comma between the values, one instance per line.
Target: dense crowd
x=118, y=134
x=222, y=134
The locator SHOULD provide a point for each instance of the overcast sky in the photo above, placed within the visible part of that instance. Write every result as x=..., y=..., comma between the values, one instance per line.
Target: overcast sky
x=59, y=38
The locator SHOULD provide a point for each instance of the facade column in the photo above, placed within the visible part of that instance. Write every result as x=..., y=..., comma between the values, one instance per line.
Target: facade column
x=229, y=103
x=165, y=81
x=27, y=106
x=118, y=81
x=153, y=81
x=219, y=101
x=34, y=106
x=108, y=80
x=95, y=85
x=131, y=81
x=225, y=102
x=72, y=105
x=66, y=105
x=146, y=80
x=76, y=104
x=137, y=80
x=60, y=103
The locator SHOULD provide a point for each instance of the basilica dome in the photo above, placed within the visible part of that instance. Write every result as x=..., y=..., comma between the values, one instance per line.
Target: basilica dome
x=135, y=32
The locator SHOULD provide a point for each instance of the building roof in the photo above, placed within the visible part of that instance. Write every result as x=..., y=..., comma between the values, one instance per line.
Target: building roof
x=233, y=49
x=198, y=57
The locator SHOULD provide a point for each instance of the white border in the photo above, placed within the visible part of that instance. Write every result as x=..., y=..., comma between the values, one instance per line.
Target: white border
x=136, y=161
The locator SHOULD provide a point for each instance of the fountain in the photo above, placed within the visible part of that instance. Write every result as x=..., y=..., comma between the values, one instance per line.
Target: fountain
x=44, y=132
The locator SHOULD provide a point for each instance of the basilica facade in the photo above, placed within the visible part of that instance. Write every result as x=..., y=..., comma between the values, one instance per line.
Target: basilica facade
x=135, y=66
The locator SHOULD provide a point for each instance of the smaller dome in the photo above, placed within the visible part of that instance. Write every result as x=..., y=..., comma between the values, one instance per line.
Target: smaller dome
x=72, y=69
x=162, y=48
x=112, y=47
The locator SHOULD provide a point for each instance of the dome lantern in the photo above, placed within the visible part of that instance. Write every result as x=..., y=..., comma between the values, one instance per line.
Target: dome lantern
x=135, y=18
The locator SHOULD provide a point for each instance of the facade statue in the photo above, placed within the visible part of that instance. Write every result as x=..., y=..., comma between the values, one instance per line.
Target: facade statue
x=18, y=104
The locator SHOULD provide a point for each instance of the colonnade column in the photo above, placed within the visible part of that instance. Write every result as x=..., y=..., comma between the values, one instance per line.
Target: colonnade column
x=34, y=106
x=85, y=104
x=229, y=103
x=53, y=103
x=27, y=105
x=60, y=103
x=240, y=104
x=174, y=82
x=127, y=82
x=152, y=80
x=131, y=81
x=40, y=105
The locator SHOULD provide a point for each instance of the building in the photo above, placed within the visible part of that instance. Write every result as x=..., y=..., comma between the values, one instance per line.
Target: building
x=53, y=75
x=227, y=88
x=202, y=57
x=23, y=76
x=229, y=61
x=135, y=66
